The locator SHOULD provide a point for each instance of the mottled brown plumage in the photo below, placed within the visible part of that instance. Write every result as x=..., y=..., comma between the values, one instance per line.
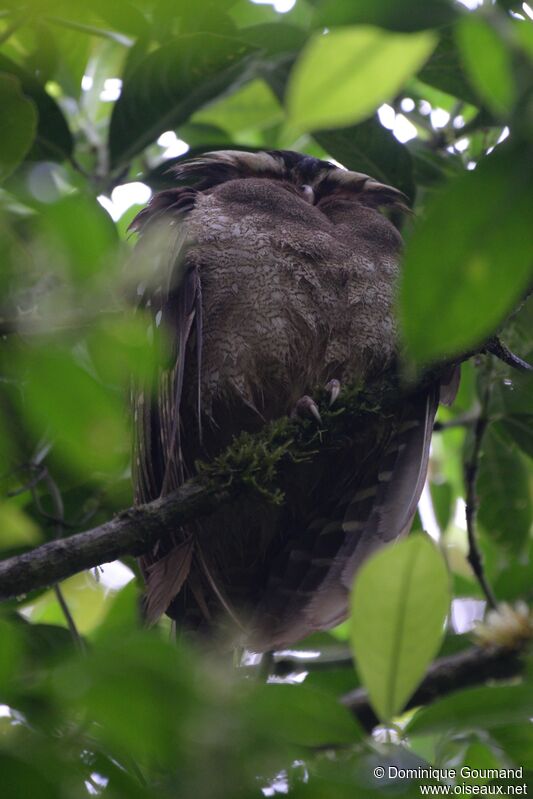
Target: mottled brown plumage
x=276, y=273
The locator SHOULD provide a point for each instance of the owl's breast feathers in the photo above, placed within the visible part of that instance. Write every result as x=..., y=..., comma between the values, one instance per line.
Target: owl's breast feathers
x=279, y=275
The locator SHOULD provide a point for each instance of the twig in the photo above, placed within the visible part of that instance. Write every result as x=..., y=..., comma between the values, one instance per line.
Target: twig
x=471, y=469
x=473, y=666
x=463, y=420
x=59, y=512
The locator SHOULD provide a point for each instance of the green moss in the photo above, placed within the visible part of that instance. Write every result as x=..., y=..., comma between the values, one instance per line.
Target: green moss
x=253, y=461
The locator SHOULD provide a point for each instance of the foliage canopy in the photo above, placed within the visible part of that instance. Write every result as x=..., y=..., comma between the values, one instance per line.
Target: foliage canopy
x=98, y=100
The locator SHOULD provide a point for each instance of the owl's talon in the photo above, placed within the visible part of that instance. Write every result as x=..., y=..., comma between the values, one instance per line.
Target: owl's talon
x=334, y=389
x=305, y=406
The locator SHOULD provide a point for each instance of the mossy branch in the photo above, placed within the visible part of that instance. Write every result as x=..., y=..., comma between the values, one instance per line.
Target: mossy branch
x=250, y=464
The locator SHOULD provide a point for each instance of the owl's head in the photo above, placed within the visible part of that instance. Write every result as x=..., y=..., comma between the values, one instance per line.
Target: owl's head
x=310, y=177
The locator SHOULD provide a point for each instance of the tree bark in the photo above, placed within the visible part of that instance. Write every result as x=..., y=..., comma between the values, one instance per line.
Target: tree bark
x=473, y=666
x=131, y=532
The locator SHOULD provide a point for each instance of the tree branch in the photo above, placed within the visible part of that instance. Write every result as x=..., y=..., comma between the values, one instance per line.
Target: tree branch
x=250, y=461
x=468, y=668
x=131, y=532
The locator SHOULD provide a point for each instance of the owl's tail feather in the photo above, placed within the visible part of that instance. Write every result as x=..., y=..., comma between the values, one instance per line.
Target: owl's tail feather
x=165, y=579
x=310, y=591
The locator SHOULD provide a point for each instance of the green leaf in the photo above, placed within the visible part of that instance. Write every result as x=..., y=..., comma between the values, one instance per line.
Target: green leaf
x=310, y=717
x=86, y=600
x=468, y=262
x=443, y=502
x=53, y=139
x=84, y=419
x=18, y=124
x=444, y=70
x=399, y=604
x=519, y=427
x=10, y=655
x=475, y=708
x=517, y=742
x=251, y=108
x=343, y=76
x=410, y=15
x=81, y=234
x=372, y=149
x=16, y=527
x=274, y=38
x=503, y=486
x=173, y=82
x=488, y=63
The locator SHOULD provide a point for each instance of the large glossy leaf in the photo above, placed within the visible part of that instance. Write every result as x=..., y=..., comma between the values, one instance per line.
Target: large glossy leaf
x=251, y=108
x=505, y=499
x=310, y=717
x=488, y=63
x=481, y=707
x=343, y=76
x=399, y=604
x=274, y=38
x=469, y=260
x=172, y=82
x=410, y=15
x=18, y=124
x=519, y=428
x=53, y=139
x=444, y=70
x=372, y=149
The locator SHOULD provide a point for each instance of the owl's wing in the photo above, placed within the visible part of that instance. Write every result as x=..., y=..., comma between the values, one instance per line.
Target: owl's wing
x=174, y=302
x=309, y=589
x=173, y=299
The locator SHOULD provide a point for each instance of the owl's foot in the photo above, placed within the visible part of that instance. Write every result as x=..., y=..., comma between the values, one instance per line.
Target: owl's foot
x=306, y=406
x=333, y=387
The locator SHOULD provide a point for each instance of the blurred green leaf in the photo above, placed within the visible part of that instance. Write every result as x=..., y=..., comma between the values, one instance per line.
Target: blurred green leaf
x=457, y=261
x=481, y=707
x=10, y=655
x=444, y=70
x=516, y=741
x=80, y=232
x=22, y=777
x=17, y=125
x=84, y=419
x=505, y=509
x=86, y=600
x=372, y=149
x=488, y=63
x=399, y=604
x=274, y=38
x=174, y=81
x=343, y=76
x=518, y=427
x=310, y=717
x=53, y=138
x=411, y=15
x=431, y=167
x=253, y=106
x=125, y=347
x=123, y=613
x=443, y=503
x=16, y=527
